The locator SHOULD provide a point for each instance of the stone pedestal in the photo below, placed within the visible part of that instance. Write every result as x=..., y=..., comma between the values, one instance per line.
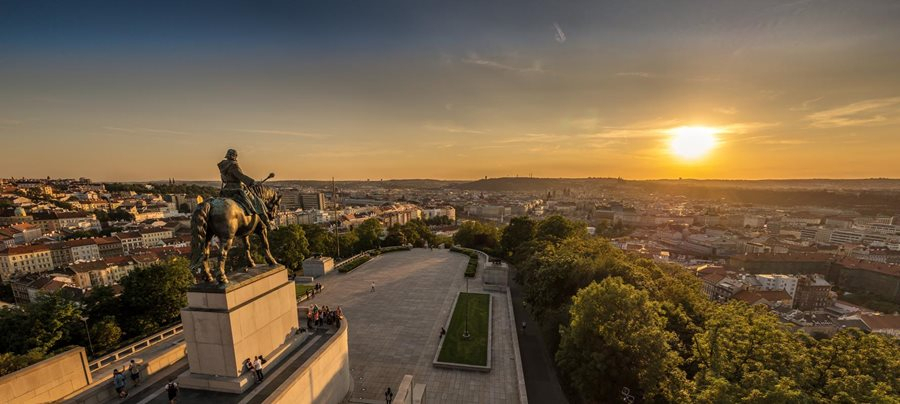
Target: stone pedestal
x=256, y=314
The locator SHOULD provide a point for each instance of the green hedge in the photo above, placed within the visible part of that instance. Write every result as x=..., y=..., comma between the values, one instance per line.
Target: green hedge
x=354, y=263
x=385, y=250
x=473, y=260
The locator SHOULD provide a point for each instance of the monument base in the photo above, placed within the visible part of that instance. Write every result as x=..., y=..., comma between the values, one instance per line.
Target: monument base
x=255, y=314
x=240, y=384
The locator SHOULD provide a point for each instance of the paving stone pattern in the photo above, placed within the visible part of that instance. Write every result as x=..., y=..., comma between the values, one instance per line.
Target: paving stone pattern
x=395, y=330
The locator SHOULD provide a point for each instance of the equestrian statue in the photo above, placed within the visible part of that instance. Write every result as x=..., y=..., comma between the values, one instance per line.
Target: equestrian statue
x=244, y=207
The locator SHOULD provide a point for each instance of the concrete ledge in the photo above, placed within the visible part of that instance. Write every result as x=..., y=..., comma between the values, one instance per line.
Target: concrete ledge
x=490, y=340
x=323, y=378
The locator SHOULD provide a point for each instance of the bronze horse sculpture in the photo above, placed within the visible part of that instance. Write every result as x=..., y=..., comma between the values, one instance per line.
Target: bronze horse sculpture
x=226, y=219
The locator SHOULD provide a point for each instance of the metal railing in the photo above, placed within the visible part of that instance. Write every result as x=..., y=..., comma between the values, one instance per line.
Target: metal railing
x=123, y=352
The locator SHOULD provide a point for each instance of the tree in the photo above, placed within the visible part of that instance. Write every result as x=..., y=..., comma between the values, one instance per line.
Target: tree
x=853, y=366
x=154, y=296
x=82, y=234
x=395, y=236
x=442, y=220
x=617, y=335
x=349, y=244
x=744, y=352
x=478, y=236
x=120, y=214
x=320, y=240
x=417, y=233
x=520, y=230
x=289, y=246
x=105, y=334
x=102, y=302
x=10, y=362
x=368, y=234
x=556, y=228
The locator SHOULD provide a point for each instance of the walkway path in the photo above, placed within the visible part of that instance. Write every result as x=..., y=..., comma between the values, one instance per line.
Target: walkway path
x=395, y=329
x=540, y=371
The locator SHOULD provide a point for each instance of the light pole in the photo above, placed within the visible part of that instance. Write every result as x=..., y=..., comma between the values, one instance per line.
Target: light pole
x=88, y=331
x=466, y=334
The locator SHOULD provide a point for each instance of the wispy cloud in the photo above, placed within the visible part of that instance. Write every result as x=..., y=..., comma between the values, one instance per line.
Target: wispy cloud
x=451, y=129
x=860, y=113
x=146, y=131
x=283, y=133
x=806, y=105
x=560, y=35
x=643, y=75
x=475, y=59
x=726, y=110
x=534, y=138
x=4, y=121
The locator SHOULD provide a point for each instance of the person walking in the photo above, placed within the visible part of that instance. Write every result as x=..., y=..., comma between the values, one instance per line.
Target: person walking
x=373, y=286
x=443, y=332
x=172, y=391
x=388, y=395
x=257, y=365
x=135, y=370
x=119, y=383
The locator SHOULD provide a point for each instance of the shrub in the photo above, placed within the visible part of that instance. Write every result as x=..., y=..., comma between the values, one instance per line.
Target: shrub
x=473, y=260
x=362, y=259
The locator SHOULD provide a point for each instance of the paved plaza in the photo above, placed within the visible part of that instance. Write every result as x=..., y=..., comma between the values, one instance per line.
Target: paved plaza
x=394, y=331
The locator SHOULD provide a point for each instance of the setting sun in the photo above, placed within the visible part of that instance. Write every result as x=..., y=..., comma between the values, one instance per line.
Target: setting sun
x=692, y=142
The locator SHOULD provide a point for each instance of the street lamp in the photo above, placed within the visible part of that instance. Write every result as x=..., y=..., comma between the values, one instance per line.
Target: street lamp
x=88, y=331
x=466, y=334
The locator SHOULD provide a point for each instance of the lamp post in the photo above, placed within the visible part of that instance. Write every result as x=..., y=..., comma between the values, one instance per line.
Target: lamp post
x=466, y=334
x=88, y=331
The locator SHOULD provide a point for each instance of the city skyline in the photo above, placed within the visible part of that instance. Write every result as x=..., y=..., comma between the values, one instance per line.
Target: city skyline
x=804, y=89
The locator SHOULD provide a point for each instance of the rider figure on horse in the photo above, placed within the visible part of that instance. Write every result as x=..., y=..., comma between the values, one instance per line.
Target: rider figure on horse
x=235, y=186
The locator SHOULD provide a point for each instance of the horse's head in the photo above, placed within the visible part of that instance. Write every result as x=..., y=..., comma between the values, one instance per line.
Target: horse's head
x=270, y=197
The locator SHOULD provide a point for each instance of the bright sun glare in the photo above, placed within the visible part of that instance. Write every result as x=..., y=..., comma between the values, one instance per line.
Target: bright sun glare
x=692, y=142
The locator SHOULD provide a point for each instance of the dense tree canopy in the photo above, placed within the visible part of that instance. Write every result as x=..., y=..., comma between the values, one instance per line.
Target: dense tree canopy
x=289, y=246
x=519, y=231
x=616, y=320
x=153, y=296
x=368, y=234
x=478, y=236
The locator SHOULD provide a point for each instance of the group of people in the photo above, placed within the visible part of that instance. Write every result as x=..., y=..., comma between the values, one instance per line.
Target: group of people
x=256, y=366
x=316, y=316
x=120, y=381
x=134, y=372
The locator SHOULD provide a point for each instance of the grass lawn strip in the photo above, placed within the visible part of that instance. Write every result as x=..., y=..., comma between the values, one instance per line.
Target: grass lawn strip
x=474, y=351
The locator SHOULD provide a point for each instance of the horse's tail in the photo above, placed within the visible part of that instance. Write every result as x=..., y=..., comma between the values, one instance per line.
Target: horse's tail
x=198, y=235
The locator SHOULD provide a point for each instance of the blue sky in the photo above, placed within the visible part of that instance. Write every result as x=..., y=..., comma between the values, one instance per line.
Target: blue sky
x=156, y=89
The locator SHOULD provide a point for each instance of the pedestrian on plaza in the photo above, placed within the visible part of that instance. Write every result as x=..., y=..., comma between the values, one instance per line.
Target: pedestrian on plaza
x=119, y=383
x=443, y=332
x=172, y=390
x=373, y=286
x=257, y=365
x=135, y=370
x=388, y=395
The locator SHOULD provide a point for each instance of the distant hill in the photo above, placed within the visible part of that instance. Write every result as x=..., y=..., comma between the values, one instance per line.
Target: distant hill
x=543, y=184
x=526, y=184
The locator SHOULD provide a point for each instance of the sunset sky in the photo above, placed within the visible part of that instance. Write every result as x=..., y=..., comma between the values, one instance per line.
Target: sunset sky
x=457, y=90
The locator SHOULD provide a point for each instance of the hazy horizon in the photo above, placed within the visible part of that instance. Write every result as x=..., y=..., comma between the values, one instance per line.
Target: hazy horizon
x=123, y=92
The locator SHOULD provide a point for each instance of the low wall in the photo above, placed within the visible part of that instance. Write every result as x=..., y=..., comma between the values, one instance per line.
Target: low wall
x=101, y=390
x=48, y=380
x=324, y=378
